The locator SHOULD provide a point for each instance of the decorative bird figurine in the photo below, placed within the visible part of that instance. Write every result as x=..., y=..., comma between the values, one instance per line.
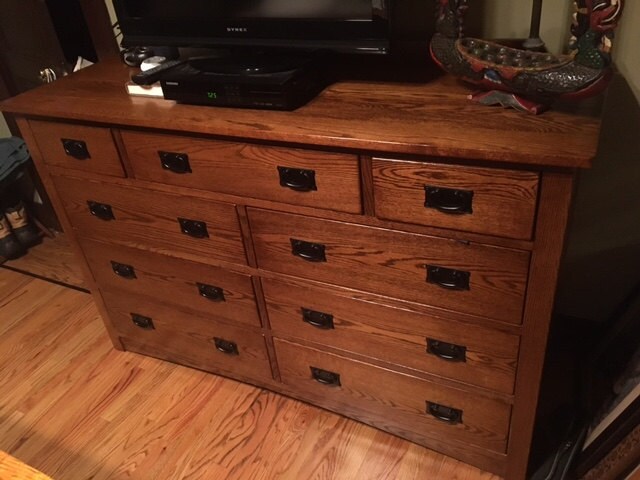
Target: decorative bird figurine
x=529, y=80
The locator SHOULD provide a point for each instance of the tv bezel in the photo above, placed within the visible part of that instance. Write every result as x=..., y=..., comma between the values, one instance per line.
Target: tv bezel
x=344, y=36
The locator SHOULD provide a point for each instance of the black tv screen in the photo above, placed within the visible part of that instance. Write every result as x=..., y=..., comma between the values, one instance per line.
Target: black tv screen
x=341, y=25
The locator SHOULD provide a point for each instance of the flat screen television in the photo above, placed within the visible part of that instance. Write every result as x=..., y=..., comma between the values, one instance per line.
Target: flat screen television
x=346, y=26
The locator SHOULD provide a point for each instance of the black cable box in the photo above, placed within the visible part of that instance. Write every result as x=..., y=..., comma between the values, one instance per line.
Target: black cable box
x=273, y=83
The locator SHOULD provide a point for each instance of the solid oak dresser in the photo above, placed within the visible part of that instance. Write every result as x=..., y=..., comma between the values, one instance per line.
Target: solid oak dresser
x=389, y=251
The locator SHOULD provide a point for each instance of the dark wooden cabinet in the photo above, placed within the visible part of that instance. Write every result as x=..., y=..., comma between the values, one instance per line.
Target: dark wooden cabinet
x=401, y=271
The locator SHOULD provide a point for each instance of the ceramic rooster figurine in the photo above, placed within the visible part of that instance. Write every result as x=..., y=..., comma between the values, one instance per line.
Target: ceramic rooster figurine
x=523, y=79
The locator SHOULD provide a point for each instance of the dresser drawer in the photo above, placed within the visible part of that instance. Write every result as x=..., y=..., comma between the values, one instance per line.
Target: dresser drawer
x=153, y=221
x=463, y=277
x=460, y=351
x=300, y=177
x=192, y=287
x=189, y=339
x=396, y=398
x=491, y=201
x=77, y=147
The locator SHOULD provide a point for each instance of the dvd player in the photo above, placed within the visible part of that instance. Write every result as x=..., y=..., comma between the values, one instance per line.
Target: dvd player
x=281, y=83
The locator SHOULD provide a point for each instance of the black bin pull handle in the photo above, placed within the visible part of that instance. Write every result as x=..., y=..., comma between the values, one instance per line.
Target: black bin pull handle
x=175, y=162
x=210, y=292
x=145, y=323
x=448, y=278
x=325, y=377
x=447, y=351
x=448, y=200
x=298, y=179
x=443, y=413
x=225, y=346
x=323, y=321
x=123, y=270
x=309, y=251
x=193, y=228
x=75, y=148
x=101, y=210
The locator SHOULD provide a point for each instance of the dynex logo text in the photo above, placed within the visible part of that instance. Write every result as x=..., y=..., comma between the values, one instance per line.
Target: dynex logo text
x=237, y=29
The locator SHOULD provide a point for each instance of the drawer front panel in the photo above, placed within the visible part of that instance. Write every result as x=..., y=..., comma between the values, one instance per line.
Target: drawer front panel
x=468, y=353
x=192, y=287
x=400, y=399
x=152, y=220
x=190, y=339
x=482, y=200
x=469, y=278
x=78, y=147
x=299, y=177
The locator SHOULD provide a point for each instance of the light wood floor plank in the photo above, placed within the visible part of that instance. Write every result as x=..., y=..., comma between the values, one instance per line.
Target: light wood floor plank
x=76, y=409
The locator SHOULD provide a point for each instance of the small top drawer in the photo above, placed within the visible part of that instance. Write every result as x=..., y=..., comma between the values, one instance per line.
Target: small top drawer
x=482, y=200
x=300, y=177
x=89, y=149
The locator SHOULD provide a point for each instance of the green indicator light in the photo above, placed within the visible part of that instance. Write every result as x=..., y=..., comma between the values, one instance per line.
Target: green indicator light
x=212, y=95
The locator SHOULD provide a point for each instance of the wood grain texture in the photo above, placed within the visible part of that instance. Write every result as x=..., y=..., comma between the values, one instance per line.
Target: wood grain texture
x=504, y=201
x=13, y=469
x=393, y=263
x=79, y=409
x=150, y=221
x=188, y=338
x=174, y=282
x=393, y=335
x=366, y=184
x=104, y=158
x=248, y=170
x=433, y=118
x=396, y=398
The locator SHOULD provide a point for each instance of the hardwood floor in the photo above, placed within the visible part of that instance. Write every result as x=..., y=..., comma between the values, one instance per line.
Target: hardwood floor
x=53, y=259
x=74, y=408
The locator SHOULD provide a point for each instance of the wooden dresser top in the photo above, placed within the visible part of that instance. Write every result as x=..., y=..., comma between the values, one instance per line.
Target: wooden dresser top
x=432, y=119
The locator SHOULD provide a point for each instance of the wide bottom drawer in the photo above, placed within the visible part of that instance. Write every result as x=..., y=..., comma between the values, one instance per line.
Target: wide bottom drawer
x=189, y=339
x=437, y=413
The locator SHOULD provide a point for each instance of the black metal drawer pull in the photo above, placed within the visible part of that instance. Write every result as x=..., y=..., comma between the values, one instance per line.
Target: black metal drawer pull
x=143, y=322
x=123, y=270
x=75, y=148
x=101, y=210
x=447, y=351
x=175, y=162
x=443, y=413
x=448, y=200
x=311, y=252
x=325, y=377
x=193, y=228
x=298, y=179
x=225, y=346
x=448, y=278
x=215, y=294
x=320, y=320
